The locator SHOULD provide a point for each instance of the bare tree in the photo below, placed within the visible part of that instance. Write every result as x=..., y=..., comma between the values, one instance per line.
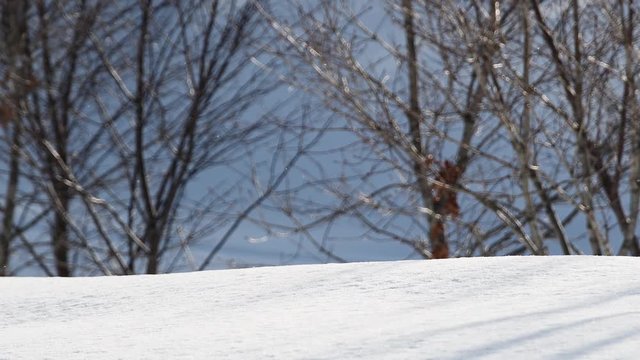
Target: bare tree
x=135, y=101
x=488, y=126
x=593, y=59
x=179, y=134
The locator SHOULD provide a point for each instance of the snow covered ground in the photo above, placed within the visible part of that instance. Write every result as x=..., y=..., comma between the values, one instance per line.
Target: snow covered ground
x=507, y=308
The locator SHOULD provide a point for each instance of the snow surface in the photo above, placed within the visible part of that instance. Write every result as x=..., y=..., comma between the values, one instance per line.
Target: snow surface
x=516, y=307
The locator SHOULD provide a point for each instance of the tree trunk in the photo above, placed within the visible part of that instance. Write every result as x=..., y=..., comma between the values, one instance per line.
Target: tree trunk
x=14, y=38
x=60, y=231
x=439, y=246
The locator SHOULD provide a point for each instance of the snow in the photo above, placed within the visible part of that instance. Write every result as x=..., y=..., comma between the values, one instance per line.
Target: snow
x=515, y=307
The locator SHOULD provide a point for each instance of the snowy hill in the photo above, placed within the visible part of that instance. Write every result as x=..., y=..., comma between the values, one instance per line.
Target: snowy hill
x=517, y=307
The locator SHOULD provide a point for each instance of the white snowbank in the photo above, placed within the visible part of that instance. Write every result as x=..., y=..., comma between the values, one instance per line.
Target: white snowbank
x=518, y=307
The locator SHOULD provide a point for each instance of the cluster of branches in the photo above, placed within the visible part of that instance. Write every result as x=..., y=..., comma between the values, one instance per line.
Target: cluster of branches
x=525, y=112
x=454, y=128
x=109, y=112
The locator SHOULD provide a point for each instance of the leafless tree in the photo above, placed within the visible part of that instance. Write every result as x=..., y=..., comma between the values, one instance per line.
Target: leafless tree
x=133, y=102
x=591, y=50
x=486, y=128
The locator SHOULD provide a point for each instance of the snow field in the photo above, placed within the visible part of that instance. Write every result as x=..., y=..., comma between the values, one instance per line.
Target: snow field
x=513, y=307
